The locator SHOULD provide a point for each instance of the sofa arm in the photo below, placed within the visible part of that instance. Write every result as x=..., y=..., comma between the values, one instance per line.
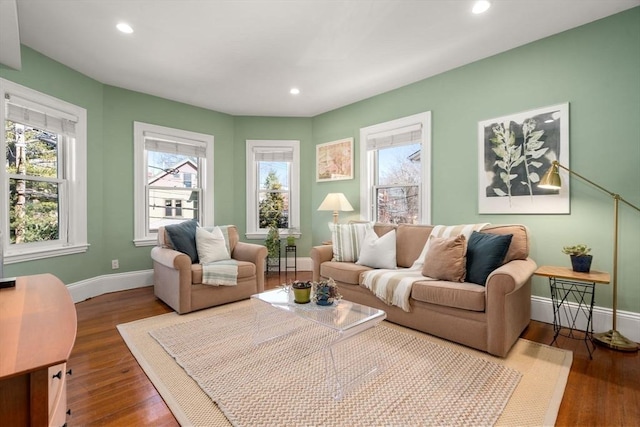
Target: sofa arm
x=172, y=278
x=320, y=254
x=508, y=304
x=171, y=258
x=510, y=277
x=254, y=253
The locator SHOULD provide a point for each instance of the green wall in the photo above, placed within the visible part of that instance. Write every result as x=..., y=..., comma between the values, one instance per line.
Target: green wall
x=595, y=68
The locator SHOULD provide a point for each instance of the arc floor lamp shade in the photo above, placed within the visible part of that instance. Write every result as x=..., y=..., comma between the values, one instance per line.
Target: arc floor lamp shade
x=612, y=338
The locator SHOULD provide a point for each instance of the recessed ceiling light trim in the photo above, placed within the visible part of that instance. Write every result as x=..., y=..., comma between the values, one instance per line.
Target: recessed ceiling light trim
x=481, y=6
x=124, y=27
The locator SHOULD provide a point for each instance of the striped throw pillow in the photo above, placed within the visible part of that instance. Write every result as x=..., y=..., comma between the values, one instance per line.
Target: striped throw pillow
x=347, y=240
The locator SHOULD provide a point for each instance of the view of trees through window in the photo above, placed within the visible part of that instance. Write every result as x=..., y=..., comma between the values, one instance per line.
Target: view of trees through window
x=397, y=192
x=273, y=197
x=32, y=165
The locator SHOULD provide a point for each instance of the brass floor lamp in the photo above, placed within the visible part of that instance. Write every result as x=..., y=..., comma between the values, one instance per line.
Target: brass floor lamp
x=613, y=338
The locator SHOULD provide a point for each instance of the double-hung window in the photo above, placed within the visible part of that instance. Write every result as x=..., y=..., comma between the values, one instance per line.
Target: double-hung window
x=43, y=206
x=395, y=159
x=273, y=175
x=171, y=184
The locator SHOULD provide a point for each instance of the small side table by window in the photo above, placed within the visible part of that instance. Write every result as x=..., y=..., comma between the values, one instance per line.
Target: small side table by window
x=291, y=249
x=572, y=293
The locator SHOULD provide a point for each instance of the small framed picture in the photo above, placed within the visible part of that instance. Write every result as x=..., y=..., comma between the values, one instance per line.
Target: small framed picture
x=334, y=160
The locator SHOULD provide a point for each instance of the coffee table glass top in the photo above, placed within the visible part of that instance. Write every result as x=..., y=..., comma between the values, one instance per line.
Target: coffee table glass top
x=343, y=316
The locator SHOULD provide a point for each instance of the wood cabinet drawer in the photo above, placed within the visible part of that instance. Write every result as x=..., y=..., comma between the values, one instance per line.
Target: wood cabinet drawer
x=57, y=394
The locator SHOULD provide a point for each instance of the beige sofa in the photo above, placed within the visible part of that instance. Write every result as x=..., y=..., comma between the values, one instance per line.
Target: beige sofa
x=178, y=282
x=489, y=318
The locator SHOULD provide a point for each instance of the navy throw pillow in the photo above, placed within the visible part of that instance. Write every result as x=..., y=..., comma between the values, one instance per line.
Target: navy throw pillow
x=182, y=237
x=485, y=253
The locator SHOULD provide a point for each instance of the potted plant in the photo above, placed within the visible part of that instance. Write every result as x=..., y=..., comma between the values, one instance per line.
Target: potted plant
x=272, y=242
x=325, y=292
x=301, y=292
x=580, y=258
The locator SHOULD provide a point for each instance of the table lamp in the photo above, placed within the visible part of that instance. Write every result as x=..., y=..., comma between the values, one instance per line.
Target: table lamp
x=612, y=339
x=335, y=202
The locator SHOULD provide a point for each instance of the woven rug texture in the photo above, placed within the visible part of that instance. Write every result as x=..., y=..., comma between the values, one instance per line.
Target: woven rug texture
x=426, y=381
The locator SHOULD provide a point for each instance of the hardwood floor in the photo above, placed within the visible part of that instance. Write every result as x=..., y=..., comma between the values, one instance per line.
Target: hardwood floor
x=108, y=387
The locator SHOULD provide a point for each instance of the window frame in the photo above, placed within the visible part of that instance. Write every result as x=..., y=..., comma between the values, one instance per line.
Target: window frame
x=142, y=235
x=368, y=211
x=253, y=187
x=72, y=196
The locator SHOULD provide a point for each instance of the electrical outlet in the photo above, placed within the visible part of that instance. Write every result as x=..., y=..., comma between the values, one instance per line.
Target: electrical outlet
x=115, y=264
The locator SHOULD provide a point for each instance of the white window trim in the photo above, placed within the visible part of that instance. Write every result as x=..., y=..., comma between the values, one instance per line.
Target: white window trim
x=366, y=159
x=253, y=232
x=75, y=154
x=142, y=236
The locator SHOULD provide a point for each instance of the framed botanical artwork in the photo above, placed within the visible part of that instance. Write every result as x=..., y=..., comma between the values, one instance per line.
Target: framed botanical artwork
x=514, y=152
x=334, y=160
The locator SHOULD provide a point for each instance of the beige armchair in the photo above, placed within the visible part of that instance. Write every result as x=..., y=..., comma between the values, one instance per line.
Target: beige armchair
x=178, y=282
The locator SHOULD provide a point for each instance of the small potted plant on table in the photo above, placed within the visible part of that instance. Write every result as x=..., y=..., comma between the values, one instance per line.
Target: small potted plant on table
x=580, y=258
x=301, y=292
x=325, y=292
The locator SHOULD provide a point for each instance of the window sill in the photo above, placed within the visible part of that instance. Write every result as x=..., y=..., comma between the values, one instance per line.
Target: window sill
x=16, y=256
x=261, y=235
x=149, y=241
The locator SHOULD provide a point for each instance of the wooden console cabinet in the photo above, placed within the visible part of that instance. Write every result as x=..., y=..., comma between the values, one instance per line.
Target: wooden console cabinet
x=37, y=330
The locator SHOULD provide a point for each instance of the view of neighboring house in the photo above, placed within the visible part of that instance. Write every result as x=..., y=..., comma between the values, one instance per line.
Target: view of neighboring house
x=173, y=196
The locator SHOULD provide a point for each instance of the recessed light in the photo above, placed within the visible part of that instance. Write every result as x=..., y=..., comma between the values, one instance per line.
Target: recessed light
x=481, y=6
x=294, y=91
x=125, y=28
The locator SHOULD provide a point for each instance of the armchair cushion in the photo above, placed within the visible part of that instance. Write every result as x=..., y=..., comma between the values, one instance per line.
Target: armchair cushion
x=182, y=238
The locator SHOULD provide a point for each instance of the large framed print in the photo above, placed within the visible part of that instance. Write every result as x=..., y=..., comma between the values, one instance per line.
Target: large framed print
x=334, y=160
x=514, y=152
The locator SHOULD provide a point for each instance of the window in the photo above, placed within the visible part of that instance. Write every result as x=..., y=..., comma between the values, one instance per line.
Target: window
x=395, y=160
x=171, y=184
x=273, y=171
x=43, y=207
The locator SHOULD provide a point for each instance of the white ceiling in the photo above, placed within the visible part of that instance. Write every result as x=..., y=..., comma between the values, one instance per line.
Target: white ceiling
x=241, y=57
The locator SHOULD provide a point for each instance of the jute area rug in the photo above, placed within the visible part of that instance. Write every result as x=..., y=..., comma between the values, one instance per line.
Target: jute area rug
x=204, y=366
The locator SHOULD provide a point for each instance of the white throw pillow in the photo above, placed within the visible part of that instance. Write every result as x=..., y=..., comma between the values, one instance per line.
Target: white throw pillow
x=211, y=245
x=378, y=252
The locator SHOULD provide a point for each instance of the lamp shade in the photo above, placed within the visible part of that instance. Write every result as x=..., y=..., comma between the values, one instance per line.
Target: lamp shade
x=551, y=178
x=335, y=202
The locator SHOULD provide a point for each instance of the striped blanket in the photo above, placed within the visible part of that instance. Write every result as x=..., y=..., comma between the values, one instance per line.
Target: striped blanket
x=224, y=272
x=220, y=273
x=394, y=286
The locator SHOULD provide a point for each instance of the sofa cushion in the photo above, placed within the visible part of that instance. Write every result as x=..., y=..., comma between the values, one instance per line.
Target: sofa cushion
x=485, y=253
x=245, y=270
x=446, y=258
x=347, y=239
x=345, y=272
x=182, y=237
x=519, y=247
x=378, y=252
x=410, y=239
x=466, y=296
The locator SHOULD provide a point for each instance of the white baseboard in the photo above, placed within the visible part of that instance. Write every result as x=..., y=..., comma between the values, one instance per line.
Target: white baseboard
x=96, y=286
x=304, y=264
x=628, y=323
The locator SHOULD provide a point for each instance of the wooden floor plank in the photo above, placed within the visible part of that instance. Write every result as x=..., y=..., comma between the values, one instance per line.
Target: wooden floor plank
x=108, y=387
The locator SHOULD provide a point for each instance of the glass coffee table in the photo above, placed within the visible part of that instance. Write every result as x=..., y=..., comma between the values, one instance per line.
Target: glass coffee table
x=344, y=319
